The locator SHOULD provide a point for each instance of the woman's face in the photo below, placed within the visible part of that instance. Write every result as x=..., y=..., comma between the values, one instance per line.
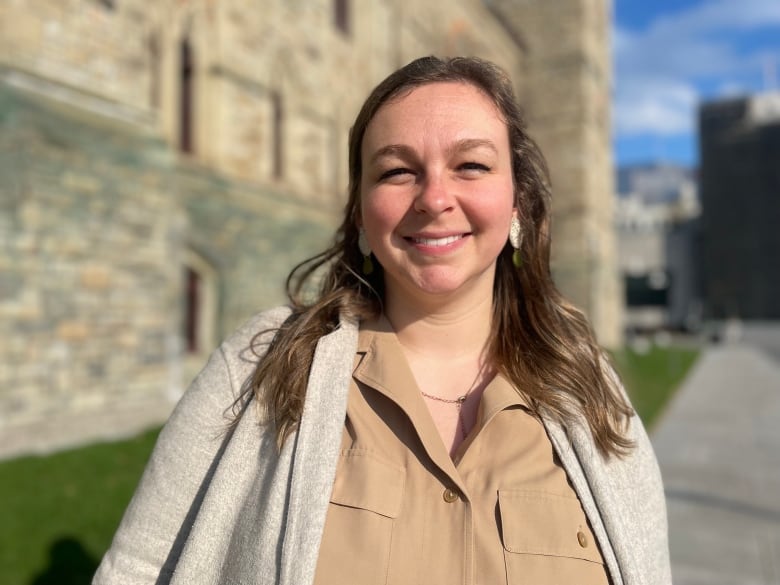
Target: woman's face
x=437, y=191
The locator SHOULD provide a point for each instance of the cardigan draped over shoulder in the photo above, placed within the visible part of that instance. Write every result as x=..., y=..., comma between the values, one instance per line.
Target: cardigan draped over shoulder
x=222, y=505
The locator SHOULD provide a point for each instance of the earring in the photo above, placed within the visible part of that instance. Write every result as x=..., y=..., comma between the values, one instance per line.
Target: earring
x=516, y=240
x=365, y=249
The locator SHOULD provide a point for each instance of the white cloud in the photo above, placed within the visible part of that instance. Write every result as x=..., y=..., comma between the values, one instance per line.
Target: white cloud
x=731, y=89
x=655, y=107
x=658, y=70
x=713, y=15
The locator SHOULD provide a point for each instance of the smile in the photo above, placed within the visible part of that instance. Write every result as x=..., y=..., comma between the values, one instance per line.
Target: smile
x=437, y=242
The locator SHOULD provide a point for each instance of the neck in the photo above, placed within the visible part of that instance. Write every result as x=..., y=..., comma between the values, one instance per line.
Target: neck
x=450, y=331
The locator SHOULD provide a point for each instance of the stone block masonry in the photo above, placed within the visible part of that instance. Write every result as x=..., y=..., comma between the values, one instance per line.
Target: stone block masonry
x=96, y=229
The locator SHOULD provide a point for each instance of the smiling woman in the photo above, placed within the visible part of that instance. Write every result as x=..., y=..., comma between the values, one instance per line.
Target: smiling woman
x=438, y=413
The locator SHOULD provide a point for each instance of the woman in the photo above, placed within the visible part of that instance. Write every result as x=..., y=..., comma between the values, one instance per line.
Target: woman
x=438, y=414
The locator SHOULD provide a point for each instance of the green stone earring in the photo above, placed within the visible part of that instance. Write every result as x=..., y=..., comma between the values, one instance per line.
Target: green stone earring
x=517, y=260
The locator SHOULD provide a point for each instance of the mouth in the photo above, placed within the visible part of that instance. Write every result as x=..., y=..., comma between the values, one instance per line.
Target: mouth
x=436, y=242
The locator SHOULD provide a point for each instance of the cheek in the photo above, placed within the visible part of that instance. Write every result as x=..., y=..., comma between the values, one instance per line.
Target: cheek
x=493, y=212
x=380, y=215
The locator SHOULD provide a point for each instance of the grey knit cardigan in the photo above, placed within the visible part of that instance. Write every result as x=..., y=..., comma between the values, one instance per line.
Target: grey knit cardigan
x=223, y=506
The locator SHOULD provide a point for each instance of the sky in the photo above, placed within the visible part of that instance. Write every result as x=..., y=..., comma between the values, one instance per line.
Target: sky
x=669, y=55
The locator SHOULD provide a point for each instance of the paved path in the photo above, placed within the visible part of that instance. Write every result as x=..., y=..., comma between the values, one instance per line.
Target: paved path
x=719, y=450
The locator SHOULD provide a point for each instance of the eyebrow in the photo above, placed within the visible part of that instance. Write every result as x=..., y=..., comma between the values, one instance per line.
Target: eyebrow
x=399, y=150
x=471, y=144
x=403, y=151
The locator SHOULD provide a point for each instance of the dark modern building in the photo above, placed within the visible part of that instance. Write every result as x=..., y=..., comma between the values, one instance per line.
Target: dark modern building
x=740, y=195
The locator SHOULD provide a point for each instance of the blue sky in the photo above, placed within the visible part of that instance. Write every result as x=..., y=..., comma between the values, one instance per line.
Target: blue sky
x=669, y=55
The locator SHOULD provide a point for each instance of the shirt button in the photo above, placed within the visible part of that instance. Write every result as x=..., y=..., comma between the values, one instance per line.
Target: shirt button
x=450, y=495
x=582, y=539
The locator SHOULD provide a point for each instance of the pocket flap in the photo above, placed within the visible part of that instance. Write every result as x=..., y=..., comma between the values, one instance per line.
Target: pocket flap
x=369, y=483
x=544, y=523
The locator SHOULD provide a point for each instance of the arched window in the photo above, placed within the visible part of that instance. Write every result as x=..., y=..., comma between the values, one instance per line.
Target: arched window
x=341, y=16
x=277, y=107
x=199, y=305
x=193, y=285
x=186, y=96
x=154, y=70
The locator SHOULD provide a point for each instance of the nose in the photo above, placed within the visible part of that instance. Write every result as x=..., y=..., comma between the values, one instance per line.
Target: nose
x=434, y=197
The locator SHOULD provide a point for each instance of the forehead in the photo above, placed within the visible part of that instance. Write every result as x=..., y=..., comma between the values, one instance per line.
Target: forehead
x=456, y=108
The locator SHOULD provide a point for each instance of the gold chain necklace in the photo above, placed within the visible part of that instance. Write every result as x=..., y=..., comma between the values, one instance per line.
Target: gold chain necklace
x=458, y=402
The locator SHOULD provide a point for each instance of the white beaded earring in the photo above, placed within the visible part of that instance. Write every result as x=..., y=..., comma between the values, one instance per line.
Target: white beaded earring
x=365, y=249
x=516, y=240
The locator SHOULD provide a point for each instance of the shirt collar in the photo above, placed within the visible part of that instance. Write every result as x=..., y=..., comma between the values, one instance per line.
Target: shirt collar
x=499, y=395
x=387, y=370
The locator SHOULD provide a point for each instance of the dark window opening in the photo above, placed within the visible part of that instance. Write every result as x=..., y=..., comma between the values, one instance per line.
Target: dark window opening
x=192, y=302
x=108, y=4
x=277, y=132
x=646, y=291
x=341, y=15
x=186, y=97
x=154, y=71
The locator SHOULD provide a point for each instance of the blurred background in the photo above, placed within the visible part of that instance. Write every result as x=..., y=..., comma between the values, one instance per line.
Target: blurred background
x=163, y=165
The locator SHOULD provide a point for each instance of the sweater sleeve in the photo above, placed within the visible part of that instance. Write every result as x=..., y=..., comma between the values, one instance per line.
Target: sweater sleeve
x=156, y=524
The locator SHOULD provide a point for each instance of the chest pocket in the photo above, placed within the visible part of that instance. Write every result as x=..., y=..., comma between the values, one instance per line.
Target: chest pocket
x=366, y=498
x=547, y=540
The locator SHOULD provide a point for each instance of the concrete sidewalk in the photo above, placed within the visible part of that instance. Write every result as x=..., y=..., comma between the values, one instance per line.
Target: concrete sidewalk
x=719, y=450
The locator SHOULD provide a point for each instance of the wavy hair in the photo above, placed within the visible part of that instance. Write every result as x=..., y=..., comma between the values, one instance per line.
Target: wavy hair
x=542, y=344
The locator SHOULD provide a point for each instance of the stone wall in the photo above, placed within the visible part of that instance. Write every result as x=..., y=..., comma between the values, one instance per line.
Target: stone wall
x=567, y=98
x=81, y=44
x=98, y=222
x=244, y=56
x=89, y=237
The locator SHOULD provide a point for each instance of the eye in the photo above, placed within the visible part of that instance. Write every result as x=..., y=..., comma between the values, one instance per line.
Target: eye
x=474, y=167
x=396, y=173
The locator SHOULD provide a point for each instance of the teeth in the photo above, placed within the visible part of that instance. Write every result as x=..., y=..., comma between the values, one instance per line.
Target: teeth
x=436, y=241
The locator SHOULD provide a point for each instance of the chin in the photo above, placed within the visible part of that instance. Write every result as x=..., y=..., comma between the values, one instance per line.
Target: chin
x=447, y=285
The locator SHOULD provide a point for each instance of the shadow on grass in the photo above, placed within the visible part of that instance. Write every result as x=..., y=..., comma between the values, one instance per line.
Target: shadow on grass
x=69, y=564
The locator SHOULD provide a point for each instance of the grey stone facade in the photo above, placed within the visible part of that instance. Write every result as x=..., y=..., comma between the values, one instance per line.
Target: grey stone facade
x=160, y=156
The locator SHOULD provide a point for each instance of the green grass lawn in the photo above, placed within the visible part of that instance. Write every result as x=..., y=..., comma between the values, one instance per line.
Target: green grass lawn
x=58, y=513
x=652, y=377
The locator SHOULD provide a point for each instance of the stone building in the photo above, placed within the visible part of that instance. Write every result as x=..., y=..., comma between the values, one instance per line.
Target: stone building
x=164, y=164
x=657, y=221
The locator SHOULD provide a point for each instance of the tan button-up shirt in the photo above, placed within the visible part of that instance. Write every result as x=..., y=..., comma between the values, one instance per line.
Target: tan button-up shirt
x=403, y=512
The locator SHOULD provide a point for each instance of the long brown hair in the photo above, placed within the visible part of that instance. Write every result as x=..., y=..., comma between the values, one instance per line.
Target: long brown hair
x=543, y=344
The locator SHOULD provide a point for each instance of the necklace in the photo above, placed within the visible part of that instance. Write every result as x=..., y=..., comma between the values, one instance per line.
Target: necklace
x=458, y=402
